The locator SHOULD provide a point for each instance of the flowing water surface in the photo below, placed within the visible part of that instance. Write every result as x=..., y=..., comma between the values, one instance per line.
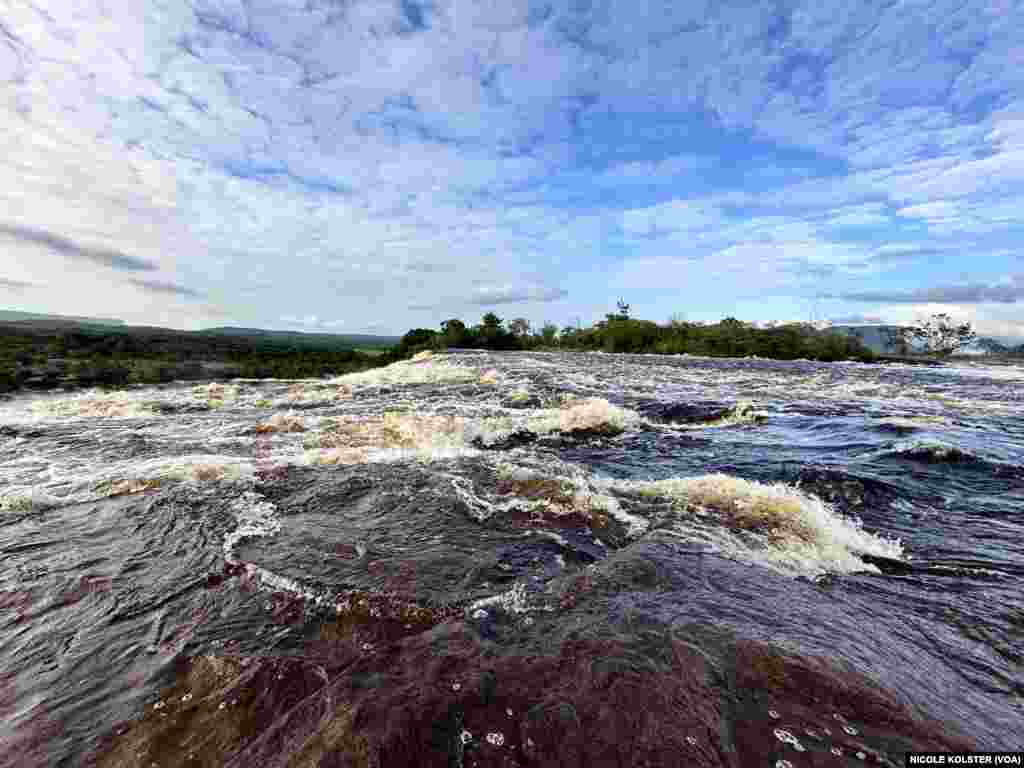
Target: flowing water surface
x=875, y=514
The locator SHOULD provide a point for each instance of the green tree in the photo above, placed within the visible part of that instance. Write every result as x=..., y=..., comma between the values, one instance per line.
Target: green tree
x=455, y=333
x=416, y=339
x=520, y=327
x=940, y=334
x=549, y=333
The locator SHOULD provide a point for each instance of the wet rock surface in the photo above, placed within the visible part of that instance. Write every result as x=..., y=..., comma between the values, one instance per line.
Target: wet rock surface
x=590, y=685
x=649, y=653
x=514, y=560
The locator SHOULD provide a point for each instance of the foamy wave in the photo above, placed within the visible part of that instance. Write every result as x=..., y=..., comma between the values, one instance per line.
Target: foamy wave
x=546, y=493
x=95, y=405
x=354, y=441
x=126, y=478
x=492, y=376
x=138, y=477
x=217, y=394
x=352, y=456
x=424, y=370
x=743, y=413
x=311, y=393
x=777, y=526
x=927, y=450
x=595, y=415
x=29, y=500
x=282, y=423
x=255, y=516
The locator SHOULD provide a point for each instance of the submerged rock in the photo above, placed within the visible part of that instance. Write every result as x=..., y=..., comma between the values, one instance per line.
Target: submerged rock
x=609, y=694
x=621, y=664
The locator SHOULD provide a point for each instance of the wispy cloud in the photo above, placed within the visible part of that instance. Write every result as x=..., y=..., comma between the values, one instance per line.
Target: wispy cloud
x=261, y=151
x=857, y=320
x=66, y=247
x=972, y=293
x=14, y=285
x=159, y=286
x=509, y=294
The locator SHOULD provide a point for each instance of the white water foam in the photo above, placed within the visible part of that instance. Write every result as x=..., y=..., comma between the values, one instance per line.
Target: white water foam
x=776, y=526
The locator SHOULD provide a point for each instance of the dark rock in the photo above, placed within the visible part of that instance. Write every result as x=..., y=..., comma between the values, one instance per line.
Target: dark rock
x=685, y=413
x=657, y=654
x=522, y=402
x=514, y=440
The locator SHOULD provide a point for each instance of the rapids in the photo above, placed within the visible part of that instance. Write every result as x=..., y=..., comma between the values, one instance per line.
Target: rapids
x=871, y=515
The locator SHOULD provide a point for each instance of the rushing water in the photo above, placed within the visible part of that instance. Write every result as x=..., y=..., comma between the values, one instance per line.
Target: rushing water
x=883, y=506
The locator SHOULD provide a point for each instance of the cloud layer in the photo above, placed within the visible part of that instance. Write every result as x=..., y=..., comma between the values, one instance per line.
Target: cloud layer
x=398, y=162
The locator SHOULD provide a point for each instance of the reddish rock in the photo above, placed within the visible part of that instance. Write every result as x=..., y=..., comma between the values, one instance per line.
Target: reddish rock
x=406, y=697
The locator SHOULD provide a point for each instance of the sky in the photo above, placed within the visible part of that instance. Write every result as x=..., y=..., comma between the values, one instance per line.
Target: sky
x=371, y=166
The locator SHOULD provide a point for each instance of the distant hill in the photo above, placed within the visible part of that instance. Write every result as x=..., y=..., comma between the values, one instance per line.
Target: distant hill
x=12, y=316
x=992, y=347
x=332, y=339
x=39, y=322
x=876, y=338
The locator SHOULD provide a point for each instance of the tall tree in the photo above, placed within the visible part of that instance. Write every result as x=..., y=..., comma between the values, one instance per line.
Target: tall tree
x=548, y=333
x=939, y=334
x=520, y=327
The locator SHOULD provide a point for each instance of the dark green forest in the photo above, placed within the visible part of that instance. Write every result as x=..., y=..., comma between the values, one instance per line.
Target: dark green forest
x=47, y=356
x=618, y=332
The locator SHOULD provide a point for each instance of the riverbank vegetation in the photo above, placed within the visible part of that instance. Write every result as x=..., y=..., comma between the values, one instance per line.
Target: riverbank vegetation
x=47, y=357
x=618, y=332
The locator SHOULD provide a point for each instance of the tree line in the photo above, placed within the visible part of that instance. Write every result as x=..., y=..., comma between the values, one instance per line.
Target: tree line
x=76, y=356
x=47, y=357
x=619, y=332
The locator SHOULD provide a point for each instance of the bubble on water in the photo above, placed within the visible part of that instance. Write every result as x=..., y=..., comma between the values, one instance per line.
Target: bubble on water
x=861, y=756
x=850, y=730
x=691, y=740
x=456, y=686
x=773, y=714
x=836, y=751
x=513, y=601
x=788, y=738
x=256, y=517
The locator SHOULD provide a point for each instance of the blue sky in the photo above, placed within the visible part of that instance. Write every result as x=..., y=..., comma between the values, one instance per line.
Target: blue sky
x=355, y=166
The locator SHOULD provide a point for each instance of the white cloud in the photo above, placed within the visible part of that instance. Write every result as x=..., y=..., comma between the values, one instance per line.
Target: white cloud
x=263, y=150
